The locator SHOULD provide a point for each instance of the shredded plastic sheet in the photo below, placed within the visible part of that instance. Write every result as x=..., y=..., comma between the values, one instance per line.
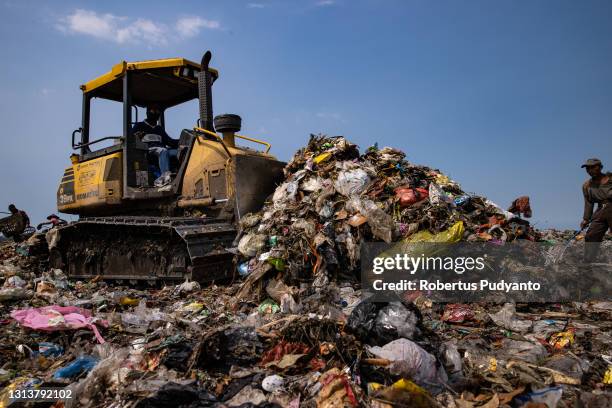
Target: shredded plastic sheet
x=55, y=318
x=451, y=235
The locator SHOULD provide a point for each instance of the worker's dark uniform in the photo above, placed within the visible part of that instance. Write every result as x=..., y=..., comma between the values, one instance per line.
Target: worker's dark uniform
x=601, y=220
x=146, y=128
x=26, y=219
x=164, y=149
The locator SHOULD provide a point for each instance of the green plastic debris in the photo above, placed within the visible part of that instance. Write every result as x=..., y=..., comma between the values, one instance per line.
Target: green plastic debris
x=268, y=306
x=277, y=263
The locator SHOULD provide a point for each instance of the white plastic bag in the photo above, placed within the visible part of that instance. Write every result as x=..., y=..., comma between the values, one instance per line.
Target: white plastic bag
x=411, y=361
x=437, y=195
x=507, y=319
x=351, y=182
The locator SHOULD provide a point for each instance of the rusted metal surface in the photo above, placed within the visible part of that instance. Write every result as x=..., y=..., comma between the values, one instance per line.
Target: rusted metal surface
x=255, y=179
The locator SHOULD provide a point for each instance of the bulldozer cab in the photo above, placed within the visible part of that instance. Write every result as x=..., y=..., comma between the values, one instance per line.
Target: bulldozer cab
x=116, y=174
x=163, y=83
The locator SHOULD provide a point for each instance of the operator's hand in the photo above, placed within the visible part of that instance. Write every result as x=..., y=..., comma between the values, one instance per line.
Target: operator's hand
x=39, y=226
x=584, y=224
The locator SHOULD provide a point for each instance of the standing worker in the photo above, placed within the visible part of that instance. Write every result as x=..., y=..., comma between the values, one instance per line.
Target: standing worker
x=53, y=221
x=17, y=229
x=15, y=211
x=598, y=189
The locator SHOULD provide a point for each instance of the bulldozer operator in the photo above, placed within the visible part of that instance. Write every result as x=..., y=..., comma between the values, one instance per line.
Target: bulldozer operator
x=159, y=143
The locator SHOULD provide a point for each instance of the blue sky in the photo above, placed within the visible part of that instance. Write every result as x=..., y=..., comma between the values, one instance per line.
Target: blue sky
x=506, y=97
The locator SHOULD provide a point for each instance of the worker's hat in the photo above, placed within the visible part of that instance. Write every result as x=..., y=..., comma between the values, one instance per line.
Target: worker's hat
x=592, y=162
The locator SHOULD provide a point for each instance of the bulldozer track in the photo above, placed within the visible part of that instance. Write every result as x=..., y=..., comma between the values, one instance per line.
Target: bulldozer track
x=141, y=248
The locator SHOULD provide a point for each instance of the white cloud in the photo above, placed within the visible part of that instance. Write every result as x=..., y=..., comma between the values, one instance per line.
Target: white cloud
x=256, y=5
x=90, y=23
x=142, y=30
x=113, y=28
x=190, y=26
x=125, y=30
x=325, y=3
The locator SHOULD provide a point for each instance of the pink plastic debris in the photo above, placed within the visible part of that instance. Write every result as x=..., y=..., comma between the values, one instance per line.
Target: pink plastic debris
x=54, y=318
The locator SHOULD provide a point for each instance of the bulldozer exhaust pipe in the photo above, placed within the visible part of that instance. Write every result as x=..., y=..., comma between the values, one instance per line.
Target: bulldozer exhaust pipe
x=205, y=94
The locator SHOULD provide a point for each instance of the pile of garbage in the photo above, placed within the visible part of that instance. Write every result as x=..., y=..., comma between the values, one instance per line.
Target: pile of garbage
x=334, y=198
x=116, y=346
x=295, y=330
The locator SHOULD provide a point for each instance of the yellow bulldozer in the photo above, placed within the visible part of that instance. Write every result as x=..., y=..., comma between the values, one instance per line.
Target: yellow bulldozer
x=132, y=228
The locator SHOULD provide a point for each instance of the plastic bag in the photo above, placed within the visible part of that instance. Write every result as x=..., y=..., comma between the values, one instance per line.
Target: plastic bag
x=351, y=182
x=188, y=287
x=507, y=319
x=81, y=365
x=549, y=396
x=243, y=269
x=437, y=195
x=523, y=350
x=409, y=360
x=361, y=320
x=408, y=196
x=276, y=288
x=322, y=157
x=452, y=359
x=349, y=299
x=570, y=366
x=55, y=318
x=285, y=192
x=250, y=244
x=451, y=235
x=395, y=321
x=312, y=184
x=15, y=282
x=143, y=316
x=249, y=220
x=380, y=222
x=288, y=305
